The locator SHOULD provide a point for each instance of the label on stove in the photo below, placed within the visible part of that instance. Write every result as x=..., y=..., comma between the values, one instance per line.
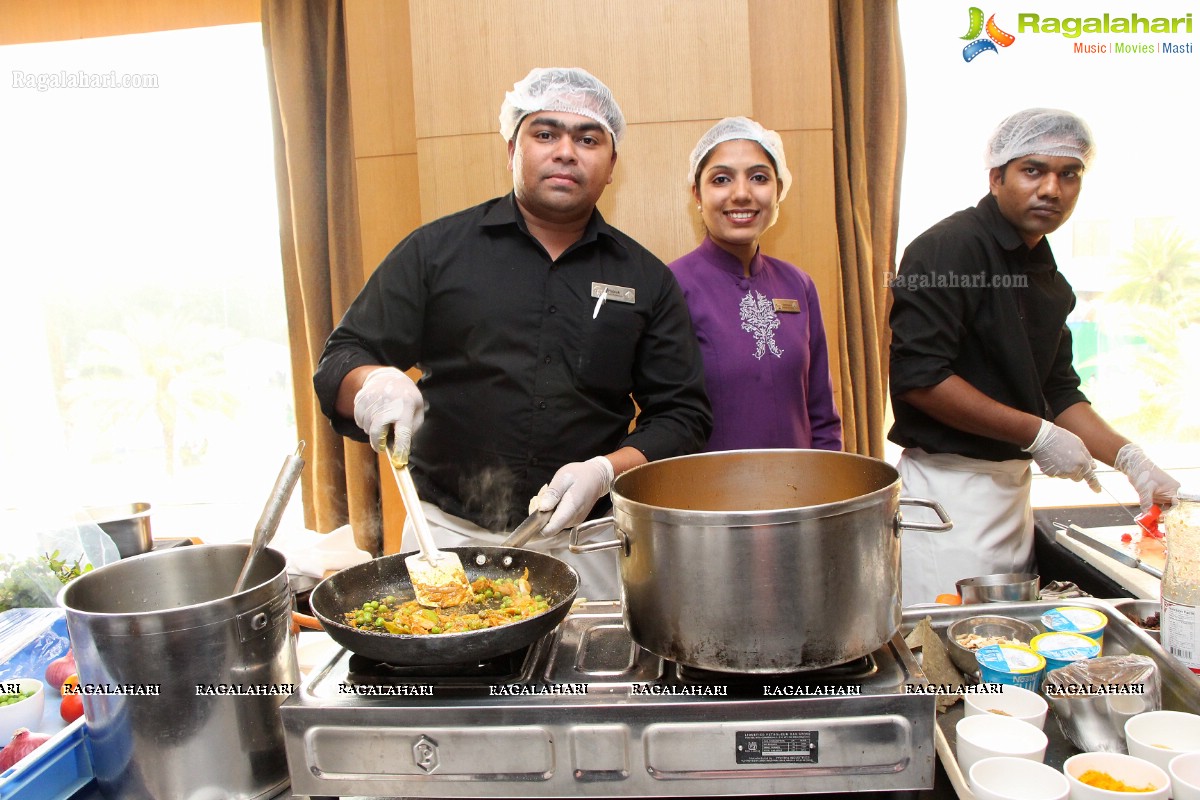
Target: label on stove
x=776, y=747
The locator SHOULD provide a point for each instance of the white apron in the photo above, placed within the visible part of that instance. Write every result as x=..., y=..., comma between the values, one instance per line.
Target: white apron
x=988, y=502
x=599, y=578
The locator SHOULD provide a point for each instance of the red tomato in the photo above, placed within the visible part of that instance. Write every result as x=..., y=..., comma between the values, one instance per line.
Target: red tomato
x=72, y=707
x=1149, y=522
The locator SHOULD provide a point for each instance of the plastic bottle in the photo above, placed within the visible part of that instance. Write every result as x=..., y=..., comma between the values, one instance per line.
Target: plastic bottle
x=1180, y=618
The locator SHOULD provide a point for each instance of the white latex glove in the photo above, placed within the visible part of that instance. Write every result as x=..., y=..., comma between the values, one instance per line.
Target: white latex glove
x=572, y=492
x=1062, y=454
x=1146, y=477
x=387, y=400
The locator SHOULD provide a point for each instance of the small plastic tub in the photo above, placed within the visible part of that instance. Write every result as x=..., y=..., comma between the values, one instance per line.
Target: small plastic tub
x=1076, y=619
x=1012, y=664
x=1061, y=648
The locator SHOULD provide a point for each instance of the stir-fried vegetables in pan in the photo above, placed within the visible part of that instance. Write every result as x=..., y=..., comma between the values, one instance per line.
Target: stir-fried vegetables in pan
x=495, y=602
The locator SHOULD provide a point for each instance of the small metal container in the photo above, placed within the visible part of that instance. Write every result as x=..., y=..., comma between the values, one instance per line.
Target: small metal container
x=1008, y=627
x=128, y=526
x=1005, y=587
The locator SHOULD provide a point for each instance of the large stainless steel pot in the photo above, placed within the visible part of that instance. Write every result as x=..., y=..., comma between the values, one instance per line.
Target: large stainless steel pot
x=191, y=675
x=760, y=561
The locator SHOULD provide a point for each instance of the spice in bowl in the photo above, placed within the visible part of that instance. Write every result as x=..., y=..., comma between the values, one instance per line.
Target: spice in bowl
x=1102, y=780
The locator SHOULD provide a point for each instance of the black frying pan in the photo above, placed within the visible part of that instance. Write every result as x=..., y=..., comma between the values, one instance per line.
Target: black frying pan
x=347, y=590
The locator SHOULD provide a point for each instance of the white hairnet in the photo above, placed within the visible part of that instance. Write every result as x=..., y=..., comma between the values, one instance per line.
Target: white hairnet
x=1043, y=132
x=568, y=89
x=742, y=128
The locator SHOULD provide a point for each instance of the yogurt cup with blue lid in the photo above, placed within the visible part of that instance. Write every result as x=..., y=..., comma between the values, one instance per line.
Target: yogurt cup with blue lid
x=1061, y=648
x=1076, y=619
x=1011, y=663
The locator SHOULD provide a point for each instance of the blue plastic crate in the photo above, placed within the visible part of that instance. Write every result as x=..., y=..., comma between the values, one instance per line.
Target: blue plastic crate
x=63, y=765
x=55, y=771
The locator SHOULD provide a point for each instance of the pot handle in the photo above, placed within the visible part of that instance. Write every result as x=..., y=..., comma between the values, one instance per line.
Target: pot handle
x=577, y=532
x=305, y=621
x=934, y=506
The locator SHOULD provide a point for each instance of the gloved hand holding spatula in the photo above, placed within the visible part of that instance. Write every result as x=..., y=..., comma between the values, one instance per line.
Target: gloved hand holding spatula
x=389, y=403
x=389, y=407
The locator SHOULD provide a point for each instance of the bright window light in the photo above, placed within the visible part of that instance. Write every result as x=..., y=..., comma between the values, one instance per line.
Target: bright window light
x=143, y=314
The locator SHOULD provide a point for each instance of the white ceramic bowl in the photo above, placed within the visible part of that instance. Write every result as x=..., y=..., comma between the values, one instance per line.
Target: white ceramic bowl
x=987, y=735
x=1008, y=700
x=1127, y=769
x=1008, y=778
x=1185, y=776
x=1159, y=736
x=25, y=713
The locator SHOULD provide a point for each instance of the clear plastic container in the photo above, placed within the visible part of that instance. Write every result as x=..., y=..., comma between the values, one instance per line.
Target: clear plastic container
x=1180, y=618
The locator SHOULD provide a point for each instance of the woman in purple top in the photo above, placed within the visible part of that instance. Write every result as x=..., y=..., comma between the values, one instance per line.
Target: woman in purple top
x=766, y=364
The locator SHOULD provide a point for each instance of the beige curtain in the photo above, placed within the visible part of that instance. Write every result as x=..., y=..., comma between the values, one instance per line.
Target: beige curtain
x=322, y=261
x=868, y=137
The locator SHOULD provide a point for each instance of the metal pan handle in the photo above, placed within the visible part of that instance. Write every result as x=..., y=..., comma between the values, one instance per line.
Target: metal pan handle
x=575, y=546
x=935, y=507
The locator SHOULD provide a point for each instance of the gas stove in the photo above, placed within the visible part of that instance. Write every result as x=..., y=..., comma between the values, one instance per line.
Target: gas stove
x=586, y=712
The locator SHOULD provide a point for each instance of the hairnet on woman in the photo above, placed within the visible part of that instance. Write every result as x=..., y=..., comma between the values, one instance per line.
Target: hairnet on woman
x=758, y=320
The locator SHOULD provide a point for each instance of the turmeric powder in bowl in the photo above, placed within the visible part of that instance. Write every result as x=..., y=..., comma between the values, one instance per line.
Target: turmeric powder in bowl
x=1102, y=780
x=1097, y=775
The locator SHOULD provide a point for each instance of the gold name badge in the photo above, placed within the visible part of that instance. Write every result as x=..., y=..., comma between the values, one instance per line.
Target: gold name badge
x=787, y=306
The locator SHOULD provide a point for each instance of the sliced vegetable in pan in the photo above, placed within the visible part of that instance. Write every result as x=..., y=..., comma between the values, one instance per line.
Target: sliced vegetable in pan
x=495, y=602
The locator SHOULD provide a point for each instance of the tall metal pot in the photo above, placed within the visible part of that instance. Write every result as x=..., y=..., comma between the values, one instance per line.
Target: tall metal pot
x=190, y=677
x=760, y=561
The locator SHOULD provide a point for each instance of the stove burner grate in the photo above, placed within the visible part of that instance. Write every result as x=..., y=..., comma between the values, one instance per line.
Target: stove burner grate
x=858, y=670
x=503, y=669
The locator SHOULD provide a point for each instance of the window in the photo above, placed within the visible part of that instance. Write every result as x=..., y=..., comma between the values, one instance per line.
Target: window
x=1092, y=238
x=1132, y=248
x=146, y=339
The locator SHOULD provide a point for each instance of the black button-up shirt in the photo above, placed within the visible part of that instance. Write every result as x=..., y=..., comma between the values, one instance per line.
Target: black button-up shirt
x=518, y=377
x=972, y=300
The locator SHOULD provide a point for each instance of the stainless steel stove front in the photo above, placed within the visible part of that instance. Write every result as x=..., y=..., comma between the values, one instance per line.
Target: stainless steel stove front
x=588, y=713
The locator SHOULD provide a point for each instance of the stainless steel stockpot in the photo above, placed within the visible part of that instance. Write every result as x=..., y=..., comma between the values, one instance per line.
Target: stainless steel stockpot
x=759, y=561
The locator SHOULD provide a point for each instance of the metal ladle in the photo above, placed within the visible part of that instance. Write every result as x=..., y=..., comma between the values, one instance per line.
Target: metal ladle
x=264, y=531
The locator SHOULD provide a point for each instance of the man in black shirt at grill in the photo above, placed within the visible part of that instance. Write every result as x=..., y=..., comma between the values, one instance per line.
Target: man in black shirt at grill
x=536, y=326
x=981, y=374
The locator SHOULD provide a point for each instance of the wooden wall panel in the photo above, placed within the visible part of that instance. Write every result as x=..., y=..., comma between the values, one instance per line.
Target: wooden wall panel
x=388, y=206
x=381, y=79
x=461, y=171
x=790, y=62
x=649, y=198
x=663, y=60
x=806, y=232
x=27, y=21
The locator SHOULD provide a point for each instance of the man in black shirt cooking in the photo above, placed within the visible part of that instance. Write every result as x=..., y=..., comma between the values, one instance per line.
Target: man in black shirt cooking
x=981, y=374
x=536, y=326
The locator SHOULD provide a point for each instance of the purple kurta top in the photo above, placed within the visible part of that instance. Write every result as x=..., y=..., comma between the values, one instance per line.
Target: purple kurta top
x=766, y=368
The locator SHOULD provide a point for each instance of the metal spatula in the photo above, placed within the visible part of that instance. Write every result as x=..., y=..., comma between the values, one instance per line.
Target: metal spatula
x=264, y=531
x=438, y=578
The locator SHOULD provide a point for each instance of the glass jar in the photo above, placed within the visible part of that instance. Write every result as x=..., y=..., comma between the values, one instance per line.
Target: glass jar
x=1180, y=618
